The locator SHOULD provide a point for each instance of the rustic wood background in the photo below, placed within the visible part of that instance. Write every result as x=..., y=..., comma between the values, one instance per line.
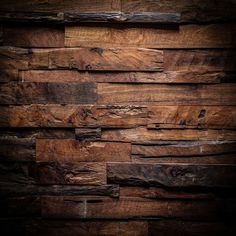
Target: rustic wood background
x=117, y=117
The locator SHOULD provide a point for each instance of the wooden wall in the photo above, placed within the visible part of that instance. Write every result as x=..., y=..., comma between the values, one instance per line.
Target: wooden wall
x=117, y=117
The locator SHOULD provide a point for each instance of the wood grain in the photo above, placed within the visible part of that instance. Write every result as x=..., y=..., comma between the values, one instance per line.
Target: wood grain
x=184, y=36
x=172, y=175
x=69, y=150
x=27, y=93
x=223, y=94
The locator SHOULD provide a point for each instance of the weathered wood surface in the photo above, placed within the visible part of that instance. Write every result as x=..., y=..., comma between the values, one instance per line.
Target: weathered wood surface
x=199, y=60
x=185, y=36
x=69, y=150
x=73, y=116
x=172, y=175
x=51, y=93
x=131, y=208
x=83, y=173
x=143, y=135
x=31, y=36
x=223, y=94
x=71, y=76
x=19, y=190
x=9, y=75
x=88, y=134
x=120, y=17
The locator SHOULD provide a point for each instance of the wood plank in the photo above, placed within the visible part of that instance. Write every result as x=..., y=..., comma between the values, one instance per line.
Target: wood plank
x=202, y=11
x=131, y=207
x=184, y=36
x=172, y=175
x=192, y=117
x=19, y=190
x=73, y=116
x=28, y=93
x=106, y=59
x=179, y=228
x=88, y=134
x=13, y=58
x=124, y=77
x=143, y=135
x=33, y=36
x=217, y=94
x=60, y=6
x=85, y=228
x=9, y=75
x=200, y=60
x=185, y=149
x=29, y=17
x=120, y=17
x=83, y=173
x=69, y=150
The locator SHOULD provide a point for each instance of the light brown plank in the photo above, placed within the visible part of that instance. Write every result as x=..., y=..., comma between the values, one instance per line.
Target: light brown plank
x=186, y=36
x=69, y=150
x=219, y=94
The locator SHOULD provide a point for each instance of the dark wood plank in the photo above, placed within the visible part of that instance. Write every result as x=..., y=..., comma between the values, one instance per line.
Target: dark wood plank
x=9, y=75
x=28, y=93
x=172, y=175
x=119, y=17
x=69, y=150
x=33, y=36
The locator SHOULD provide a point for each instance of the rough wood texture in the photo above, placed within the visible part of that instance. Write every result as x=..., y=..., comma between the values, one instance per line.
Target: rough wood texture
x=31, y=36
x=128, y=207
x=164, y=94
x=172, y=175
x=143, y=135
x=75, y=151
x=8, y=75
x=27, y=93
x=71, y=76
x=73, y=116
x=186, y=36
x=83, y=173
x=119, y=17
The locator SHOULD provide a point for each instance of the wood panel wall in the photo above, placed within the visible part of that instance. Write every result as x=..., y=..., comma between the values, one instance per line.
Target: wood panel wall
x=117, y=117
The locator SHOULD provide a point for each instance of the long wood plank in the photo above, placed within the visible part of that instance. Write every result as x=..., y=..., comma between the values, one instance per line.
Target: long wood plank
x=73, y=116
x=33, y=36
x=172, y=175
x=144, y=135
x=191, y=11
x=74, y=151
x=199, y=60
x=83, y=173
x=123, y=77
x=131, y=207
x=120, y=17
x=28, y=93
x=219, y=94
x=186, y=36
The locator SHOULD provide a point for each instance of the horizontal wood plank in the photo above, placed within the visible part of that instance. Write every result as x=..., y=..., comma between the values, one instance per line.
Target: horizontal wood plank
x=69, y=150
x=222, y=94
x=33, y=36
x=172, y=175
x=143, y=135
x=186, y=36
x=28, y=93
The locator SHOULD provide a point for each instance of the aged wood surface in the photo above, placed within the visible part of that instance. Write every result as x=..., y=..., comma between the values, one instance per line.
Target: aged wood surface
x=76, y=151
x=186, y=36
x=51, y=93
x=172, y=175
x=29, y=36
x=164, y=94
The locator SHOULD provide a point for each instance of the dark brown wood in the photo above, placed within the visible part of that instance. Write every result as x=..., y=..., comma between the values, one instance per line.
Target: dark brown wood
x=172, y=175
x=119, y=17
x=27, y=93
x=33, y=36
x=83, y=173
x=88, y=133
x=8, y=75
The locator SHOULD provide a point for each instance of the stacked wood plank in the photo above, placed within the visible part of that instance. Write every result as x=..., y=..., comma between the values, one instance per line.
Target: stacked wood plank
x=117, y=117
